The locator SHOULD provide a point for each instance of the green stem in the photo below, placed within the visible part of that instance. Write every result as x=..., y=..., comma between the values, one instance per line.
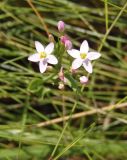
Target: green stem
x=106, y=15
x=66, y=125
x=110, y=28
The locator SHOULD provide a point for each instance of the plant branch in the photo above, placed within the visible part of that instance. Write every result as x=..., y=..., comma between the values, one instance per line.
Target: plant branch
x=82, y=114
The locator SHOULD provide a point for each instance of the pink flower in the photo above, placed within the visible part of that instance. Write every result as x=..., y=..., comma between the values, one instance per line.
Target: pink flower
x=43, y=56
x=61, y=26
x=83, y=57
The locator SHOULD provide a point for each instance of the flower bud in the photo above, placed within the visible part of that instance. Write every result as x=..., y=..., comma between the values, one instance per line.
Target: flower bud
x=68, y=44
x=61, y=86
x=64, y=38
x=61, y=26
x=73, y=71
x=51, y=38
x=61, y=76
x=83, y=79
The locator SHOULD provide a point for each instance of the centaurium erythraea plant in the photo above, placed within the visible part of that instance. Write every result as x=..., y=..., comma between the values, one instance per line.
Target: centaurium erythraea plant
x=43, y=56
x=83, y=57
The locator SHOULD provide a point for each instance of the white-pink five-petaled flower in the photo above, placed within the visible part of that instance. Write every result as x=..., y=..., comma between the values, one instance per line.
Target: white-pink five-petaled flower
x=83, y=57
x=43, y=56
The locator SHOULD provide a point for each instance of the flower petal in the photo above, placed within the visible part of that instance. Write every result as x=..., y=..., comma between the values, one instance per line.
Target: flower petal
x=39, y=47
x=77, y=63
x=74, y=53
x=88, y=66
x=93, y=55
x=43, y=65
x=34, y=58
x=52, y=59
x=84, y=48
x=49, y=48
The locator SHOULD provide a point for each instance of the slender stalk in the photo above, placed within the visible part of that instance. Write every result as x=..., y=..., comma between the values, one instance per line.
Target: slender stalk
x=82, y=114
x=41, y=18
x=22, y=128
x=68, y=147
x=106, y=15
x=111, y=27
x=66, y=125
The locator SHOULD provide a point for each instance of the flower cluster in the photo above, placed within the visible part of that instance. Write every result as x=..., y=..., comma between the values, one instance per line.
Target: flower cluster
x=63, y=37
x=82, y=57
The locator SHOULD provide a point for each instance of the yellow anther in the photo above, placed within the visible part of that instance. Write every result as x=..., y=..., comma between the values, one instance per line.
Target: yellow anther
x=42, y=55
x=83, y=55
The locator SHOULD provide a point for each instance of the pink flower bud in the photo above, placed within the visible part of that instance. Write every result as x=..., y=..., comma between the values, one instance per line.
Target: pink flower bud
x=61, y=26
x=83, y=79
x=68, y=44
x=73, y=71
x=64, y=38
x=61, y=76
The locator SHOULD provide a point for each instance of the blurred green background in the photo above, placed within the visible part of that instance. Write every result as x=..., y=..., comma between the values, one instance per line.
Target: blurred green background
x=28, y=97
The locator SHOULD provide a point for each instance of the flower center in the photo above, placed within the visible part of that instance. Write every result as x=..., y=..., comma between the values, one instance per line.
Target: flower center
x=42, y=55
x=83, y=55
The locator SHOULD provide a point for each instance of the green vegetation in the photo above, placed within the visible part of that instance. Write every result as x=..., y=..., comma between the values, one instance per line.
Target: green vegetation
x=28, y=98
